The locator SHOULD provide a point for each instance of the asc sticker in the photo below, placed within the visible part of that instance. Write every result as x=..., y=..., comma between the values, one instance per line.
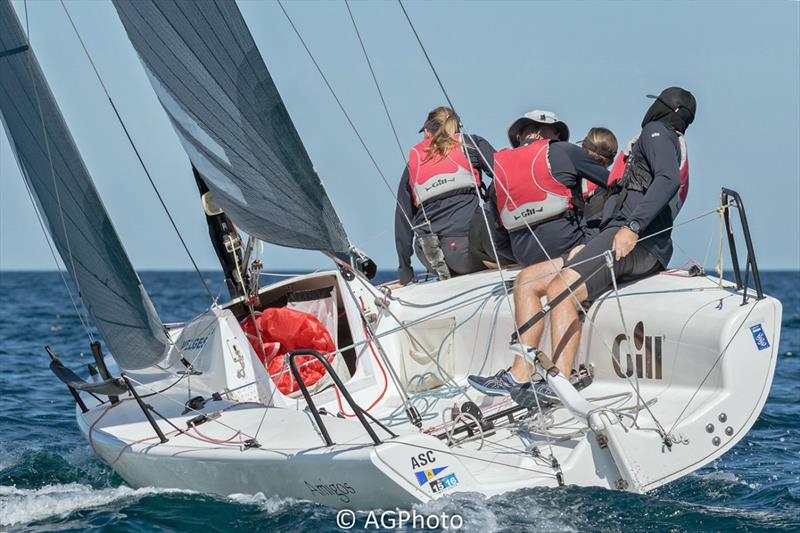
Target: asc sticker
x=429, y=475
x=760, y=338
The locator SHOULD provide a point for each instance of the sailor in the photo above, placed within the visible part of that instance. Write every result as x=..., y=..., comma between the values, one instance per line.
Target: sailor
x=535, y=203
x=636, y=228
x=437, y=197
x=595, y=196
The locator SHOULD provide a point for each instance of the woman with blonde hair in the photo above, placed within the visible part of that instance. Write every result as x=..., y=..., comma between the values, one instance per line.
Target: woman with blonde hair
x=438, y=196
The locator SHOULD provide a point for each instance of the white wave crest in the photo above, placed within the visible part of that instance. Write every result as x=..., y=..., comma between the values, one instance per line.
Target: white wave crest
x=22, y=506
x=270, y=505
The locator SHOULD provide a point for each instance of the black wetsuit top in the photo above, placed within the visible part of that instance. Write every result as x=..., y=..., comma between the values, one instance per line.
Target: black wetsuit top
x=569, y=163
x=449, y=216
x=658, y=144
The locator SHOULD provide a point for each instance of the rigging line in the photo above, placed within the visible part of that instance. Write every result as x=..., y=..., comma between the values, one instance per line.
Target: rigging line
x=423, y=319
x=713, y=366
x=387, y=309
x=377, y=85
x=637, y=386
x=557, y=271
x=81, y=318
x=397, y=382
x=27, y=25
x=480, y=153
x=346, y=115
x=497, y=258
x=176, y=402
x=29, y=68
x=424, y=51
x=465, y=303
x=391, y=122
x=138, y=155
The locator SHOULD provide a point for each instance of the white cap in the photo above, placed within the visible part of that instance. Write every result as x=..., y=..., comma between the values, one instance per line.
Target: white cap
x=540, y=116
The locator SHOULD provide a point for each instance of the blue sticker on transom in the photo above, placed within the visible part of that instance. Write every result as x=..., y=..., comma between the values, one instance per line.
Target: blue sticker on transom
x=760, y=338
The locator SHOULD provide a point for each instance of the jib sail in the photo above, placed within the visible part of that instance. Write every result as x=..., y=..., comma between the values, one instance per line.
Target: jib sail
x=70, y=206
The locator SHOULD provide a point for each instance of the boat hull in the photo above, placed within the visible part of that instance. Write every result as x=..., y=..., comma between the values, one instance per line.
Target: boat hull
x=703, y=364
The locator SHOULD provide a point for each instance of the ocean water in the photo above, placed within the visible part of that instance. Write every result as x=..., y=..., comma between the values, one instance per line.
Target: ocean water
x=50, y=481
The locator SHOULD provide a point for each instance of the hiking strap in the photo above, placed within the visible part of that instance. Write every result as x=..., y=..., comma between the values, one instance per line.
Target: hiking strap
x=546, y=363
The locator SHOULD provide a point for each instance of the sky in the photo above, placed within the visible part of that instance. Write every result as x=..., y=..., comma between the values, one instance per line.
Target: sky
x=591, y=63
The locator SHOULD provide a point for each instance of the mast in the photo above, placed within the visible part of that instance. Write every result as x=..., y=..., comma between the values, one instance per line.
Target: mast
x=225, y=239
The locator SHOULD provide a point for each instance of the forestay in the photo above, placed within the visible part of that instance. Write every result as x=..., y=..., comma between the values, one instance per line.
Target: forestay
x=214, y=85
x=70, y=206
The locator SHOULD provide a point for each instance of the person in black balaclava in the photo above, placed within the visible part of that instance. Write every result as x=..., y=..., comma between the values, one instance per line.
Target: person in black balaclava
x=674, y=106
x=643, y=203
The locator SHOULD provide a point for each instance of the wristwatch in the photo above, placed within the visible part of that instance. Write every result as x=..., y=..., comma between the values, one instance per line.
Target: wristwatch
x=634, y=226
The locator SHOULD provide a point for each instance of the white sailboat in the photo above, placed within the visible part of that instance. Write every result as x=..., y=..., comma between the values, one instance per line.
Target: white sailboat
x=393, y=422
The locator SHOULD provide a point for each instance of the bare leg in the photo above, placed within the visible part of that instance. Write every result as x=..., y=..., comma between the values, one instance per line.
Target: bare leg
x=529, y=287
x=565, y=324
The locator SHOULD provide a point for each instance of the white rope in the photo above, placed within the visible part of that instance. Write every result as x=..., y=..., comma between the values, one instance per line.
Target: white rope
x=713, y=365
x=635, y=385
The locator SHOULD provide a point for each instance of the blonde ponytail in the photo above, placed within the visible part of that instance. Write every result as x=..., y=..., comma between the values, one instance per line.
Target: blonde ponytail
x=442, y=123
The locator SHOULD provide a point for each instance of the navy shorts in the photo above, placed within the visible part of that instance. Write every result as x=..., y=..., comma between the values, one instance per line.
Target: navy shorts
x=457, y=255
x=640, y=263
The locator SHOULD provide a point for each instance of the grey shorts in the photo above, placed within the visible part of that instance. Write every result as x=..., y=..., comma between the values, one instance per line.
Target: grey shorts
x=640, y=263
x=457, y=255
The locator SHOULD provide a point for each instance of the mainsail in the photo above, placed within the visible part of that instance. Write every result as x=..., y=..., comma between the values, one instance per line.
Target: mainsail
x=70, y=206
x=214, y=85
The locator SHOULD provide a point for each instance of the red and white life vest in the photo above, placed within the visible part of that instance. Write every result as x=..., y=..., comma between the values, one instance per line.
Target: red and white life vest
x=436, y=177
x=614, y=173
x=527, y=192
x=618, y=170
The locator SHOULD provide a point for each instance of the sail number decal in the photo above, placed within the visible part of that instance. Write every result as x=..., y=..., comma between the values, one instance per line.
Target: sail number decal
x=432, y=475
x=193, y=344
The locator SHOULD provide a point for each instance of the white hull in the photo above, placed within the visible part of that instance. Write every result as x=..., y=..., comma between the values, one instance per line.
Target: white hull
x=711, y=400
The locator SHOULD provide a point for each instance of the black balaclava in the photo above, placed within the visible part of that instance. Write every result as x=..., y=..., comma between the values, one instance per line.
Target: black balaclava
x=674, y=106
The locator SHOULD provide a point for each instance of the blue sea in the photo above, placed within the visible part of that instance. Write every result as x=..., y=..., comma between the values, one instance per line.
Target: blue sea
x=50, y=481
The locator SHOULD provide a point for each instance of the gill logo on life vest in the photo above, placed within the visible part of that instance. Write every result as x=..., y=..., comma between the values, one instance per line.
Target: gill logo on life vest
x=646, y=361
x=528, y=212
x=439, y=181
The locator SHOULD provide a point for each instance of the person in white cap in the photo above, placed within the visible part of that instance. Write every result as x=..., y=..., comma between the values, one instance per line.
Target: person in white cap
x=538, y=199
x=535, y=203
x=635, y=236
